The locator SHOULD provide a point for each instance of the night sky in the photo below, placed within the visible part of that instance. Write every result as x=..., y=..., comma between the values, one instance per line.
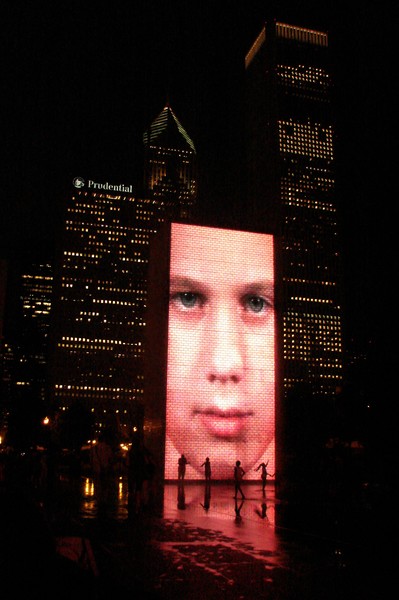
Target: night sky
x=81, y=82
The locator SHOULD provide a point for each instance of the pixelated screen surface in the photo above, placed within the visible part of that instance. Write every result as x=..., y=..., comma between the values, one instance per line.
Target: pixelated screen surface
x=221, y=352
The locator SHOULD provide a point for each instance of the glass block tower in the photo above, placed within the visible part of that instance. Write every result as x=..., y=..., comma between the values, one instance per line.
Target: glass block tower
x=170, y=167
x=291, y=189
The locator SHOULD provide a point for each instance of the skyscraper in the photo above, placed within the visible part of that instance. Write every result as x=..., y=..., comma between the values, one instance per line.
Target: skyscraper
x=291, y=187
x=100, y=300
x=170, y=168
x=24, y=349
x=36, y=299
x=101, y=292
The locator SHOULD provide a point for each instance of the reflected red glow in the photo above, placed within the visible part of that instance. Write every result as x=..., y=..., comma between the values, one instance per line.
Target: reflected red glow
x=221, y=360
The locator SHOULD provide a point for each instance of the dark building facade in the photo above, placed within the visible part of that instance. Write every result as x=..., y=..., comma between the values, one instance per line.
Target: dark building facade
x=291, y=189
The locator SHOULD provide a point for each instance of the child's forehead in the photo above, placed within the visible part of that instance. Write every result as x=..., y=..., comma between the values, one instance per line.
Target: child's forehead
x=254, y=262
x=223, y=257
x=205, y=238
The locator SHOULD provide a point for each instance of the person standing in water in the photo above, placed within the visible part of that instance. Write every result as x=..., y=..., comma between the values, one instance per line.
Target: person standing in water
x=264, y=474
x=238, y=476
x=182, y=462
x=208, y=472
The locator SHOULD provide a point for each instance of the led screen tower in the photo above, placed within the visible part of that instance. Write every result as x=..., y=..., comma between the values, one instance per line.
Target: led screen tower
x=290, y=146
x=210, y=379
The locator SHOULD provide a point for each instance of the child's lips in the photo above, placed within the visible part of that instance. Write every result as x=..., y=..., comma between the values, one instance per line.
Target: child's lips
x=226, y=424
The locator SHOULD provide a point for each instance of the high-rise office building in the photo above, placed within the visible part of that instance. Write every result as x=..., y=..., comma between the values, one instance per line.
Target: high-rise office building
x=26, y=340
x=101, y=290
x=36, y=296
x=291, y=188
x=100, y=301
x=170, y=165
x=24, y=349
x=36, y=301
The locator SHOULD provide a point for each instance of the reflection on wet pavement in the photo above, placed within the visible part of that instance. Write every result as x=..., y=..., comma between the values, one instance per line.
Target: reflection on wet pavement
x=204, y=544
x=197, y=541
x=232, y=549
x=248, y=527
x=115, y=501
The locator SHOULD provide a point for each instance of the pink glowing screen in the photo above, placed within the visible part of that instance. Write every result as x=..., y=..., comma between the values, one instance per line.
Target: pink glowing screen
x=220, y=400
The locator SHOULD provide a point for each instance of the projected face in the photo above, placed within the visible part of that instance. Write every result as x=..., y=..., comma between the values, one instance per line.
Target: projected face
x=220, y=385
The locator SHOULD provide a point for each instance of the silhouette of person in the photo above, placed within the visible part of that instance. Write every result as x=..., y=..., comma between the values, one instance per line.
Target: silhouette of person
x=238, y=475
x=150, y=480
x=102, y=459
x=138, y=475
x=208, y=471
x=264, y=474
x=181, y=471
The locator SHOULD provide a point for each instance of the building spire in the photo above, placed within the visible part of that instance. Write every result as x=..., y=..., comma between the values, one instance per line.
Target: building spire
x=170, y=167
x=167, y=131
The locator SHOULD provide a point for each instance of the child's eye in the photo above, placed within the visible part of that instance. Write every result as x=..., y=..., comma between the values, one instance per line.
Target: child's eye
x=256, y=304
x=187, y=299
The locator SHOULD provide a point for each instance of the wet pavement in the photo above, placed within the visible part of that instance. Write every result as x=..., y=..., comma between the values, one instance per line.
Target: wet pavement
x=204, y=544
x=200, y=543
